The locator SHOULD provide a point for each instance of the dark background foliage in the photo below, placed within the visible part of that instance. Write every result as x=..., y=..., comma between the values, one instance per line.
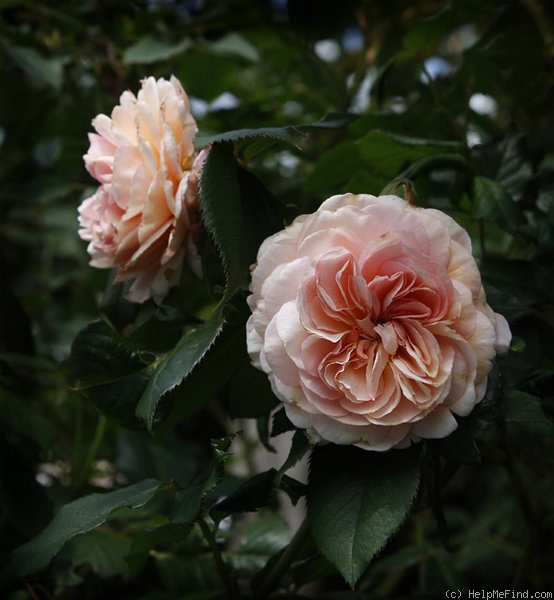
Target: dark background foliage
x=453, y=104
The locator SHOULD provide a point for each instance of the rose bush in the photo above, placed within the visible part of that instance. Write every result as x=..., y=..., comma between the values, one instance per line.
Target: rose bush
x=139, y=219
x=371, y=321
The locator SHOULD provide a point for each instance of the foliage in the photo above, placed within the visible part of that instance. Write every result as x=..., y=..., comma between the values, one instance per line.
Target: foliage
x=137, y=442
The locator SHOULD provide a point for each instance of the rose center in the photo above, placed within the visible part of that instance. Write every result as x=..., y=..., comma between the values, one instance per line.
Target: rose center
x=374, y=319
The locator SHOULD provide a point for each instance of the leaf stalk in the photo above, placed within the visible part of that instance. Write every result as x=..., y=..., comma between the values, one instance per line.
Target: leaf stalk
x=283, y=563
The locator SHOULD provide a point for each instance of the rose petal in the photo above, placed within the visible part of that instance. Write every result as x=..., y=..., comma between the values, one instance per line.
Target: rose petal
x=144, y=151
x=503, y=334
x=371, y=321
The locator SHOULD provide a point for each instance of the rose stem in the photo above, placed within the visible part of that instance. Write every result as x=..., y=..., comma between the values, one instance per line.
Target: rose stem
x=93, y=451
x=284, y=562
x=226, y=578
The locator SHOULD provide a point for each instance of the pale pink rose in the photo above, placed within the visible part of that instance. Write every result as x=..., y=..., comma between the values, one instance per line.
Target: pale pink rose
x=371, y=322
x=143, y=156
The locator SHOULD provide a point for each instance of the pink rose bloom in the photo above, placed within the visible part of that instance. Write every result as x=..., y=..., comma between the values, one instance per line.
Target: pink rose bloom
x=371, y=322
x=143, y=156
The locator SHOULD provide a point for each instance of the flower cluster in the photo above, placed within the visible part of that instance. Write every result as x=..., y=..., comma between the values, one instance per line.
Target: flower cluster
x=368, y=316
x=143, y=156
x=370, y=319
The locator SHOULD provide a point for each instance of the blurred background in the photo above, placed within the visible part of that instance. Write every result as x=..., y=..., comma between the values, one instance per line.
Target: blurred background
x=433, y=85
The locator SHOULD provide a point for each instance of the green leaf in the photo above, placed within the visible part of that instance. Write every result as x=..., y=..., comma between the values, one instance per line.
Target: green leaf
x=263, y=424
x=265, y=536
x=437, y=162
x=280, y=423
x=299, y=448
x=523, y=408
x=505, y=303
x=110, y=371
x=540, y=384
x=249, y=496
x=210, y=375
x=147, y=540
x=293, y=488
x=317, y=568
x=388, y=154
x=262, y=215
x=189, y=501
x=402, y=559
x=105, y=551
x=502, y=273
x=45, y=71
x=189, y=577
x=17, y=415
x=382, y=156
x=221, y=208
x=288, y=134
x=250, y=394
x=357, y=500
x=492, y=202
x=220, y=447
x=291, y=134
x=99, y=354
x=150, y=50
x=330, y=121
x=177, y=365
x=461, y=444
x=507, y=162
x=206, y=74
x=239, y=213
x=425, y=35
x=139, y=455
x=235, y=45
x=515, y=170
x=73, y=519
x=114, y=306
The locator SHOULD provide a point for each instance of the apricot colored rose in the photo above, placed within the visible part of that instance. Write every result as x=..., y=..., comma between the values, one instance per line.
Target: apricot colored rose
x=144, y=159
x=370, y=319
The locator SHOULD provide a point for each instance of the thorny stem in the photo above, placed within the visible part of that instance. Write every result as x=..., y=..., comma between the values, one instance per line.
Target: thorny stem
x=529, y=514
x=226, y=577
x=284, y=562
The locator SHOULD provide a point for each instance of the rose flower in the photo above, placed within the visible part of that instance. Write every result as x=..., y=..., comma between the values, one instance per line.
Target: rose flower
x=143, y=156
x=371, y=321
